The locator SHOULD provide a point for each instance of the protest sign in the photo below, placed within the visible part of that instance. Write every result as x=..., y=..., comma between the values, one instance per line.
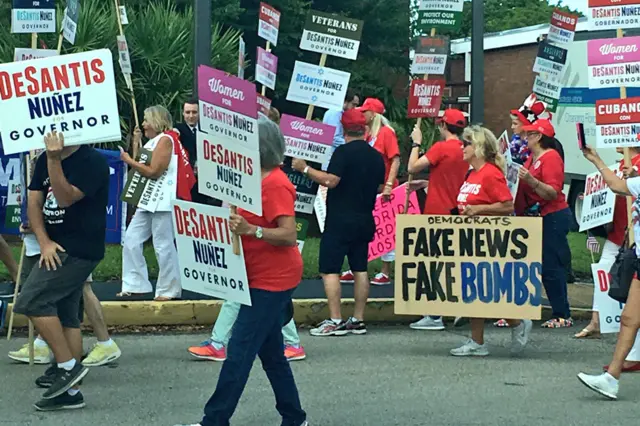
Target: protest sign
x=11, y=192
x=503, y=144
x=331, y=34
x=23, y=54
x=138, y=189
x=124, y=19
x=610, y=310
x=440, y=14
x=318, y=86
x=550, y=60
x=307, y=139
x=613, y=14
x=72, y=94
x=205, y=253
x=476, y=267
x=241, y=55
x=33, y=16
x=266, y=68
x=617, y=122
x=302, y=226
x=599, y=202
x=70, y=23
x=548, y=91
x=306, y=189
x=264, y=104
x=320, y=207
x=123, y=53
x=384, y=216
x=512, y=176
x=425, y=98
x=430, y=56
x=614, y=62
x=563, y=27
x=269, y=23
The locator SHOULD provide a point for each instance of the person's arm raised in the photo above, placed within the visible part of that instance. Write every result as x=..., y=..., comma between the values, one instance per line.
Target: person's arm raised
x=65, y=193
x=417, y=163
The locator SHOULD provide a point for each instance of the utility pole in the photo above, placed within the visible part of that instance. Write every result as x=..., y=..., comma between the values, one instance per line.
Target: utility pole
x=477, y=61
x=202, y=25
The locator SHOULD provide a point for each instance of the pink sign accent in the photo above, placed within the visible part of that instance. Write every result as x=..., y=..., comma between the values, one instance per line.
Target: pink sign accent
x=384, y=215
x=264, y=104
x=226, y=91
x=308, y=130
x=267, y=60
x=613, y=50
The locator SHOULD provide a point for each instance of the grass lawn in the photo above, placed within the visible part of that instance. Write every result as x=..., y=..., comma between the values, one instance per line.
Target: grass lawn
x=111, y=267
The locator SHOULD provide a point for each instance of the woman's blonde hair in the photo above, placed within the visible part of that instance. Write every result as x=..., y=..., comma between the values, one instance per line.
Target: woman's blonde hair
x=159, y=118
x=485, y=145
x=378, y=122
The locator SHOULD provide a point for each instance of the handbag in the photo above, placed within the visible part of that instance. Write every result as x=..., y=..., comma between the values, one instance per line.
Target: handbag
x=623, y=271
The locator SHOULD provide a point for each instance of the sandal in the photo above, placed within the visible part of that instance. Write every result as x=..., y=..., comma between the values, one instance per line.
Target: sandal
x=127, y=294
x=558, y=323
x=501, y=323
x=587, y=333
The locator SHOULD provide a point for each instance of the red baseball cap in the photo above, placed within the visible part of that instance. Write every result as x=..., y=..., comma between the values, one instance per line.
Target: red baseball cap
x=453, y=117
x=372, y=104
x=353, y=120
x=542, y=126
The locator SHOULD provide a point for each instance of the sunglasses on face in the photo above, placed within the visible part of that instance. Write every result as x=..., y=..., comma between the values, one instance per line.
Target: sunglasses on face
x=466, y=143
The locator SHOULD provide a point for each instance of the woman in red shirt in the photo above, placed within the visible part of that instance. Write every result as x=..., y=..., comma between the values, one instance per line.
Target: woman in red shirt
x=541, y=181
x=485, y=193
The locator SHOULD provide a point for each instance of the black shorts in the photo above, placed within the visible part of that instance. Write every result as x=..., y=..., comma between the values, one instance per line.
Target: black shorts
x=334, y=248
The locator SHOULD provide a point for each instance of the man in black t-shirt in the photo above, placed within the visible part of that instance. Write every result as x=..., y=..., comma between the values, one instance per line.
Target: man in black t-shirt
x=67, y=199
x=354, y=177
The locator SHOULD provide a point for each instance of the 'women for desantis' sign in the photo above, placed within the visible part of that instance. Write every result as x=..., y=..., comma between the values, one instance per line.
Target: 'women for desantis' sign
x=617, y=122
x=72, y=94
x=477, y=267
x=318, y=86
x=266, y=68
x=307, y=139
x=331, y=34
x=614, y=62
x=205, y=253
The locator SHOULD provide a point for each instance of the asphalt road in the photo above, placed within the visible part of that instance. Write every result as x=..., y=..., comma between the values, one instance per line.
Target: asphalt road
x=392, y=376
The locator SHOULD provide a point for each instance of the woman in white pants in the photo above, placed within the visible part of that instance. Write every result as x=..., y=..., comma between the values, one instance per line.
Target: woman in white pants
x=156, y=223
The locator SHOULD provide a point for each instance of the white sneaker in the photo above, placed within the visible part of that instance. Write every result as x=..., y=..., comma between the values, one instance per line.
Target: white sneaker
x=428, y=323
x=605, y=384
x=470, y=348
x=520, y=336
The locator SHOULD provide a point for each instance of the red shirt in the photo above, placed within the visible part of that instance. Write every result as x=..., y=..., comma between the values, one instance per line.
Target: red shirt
x=485, y=186
x=386, y=143
x=447, y=170
x=270, y=267
x=620, y=217
x=548, y=169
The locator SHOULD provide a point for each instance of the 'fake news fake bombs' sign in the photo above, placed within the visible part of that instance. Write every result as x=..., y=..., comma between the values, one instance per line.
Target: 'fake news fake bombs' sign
x=479, y=267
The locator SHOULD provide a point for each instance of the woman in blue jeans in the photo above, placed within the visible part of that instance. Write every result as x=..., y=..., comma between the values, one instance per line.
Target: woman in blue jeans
x=274, y=269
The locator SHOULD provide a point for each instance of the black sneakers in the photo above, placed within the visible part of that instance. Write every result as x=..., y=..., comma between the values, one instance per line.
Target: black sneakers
x=65, y=380
x=49, y=376
x=61, y=402
x=352, y=326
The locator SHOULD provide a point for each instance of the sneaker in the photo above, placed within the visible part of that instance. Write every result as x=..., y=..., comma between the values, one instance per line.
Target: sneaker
x=102, y=355
x=65, y=380
x=558, y=323
x=605, y=384
x=328, y=328
x=192, y=424
x=41, y=354
x=347, y=278
x=470, y=348
x=460, y=321
x=294, y=354
x=428, y=323
x=61, y=402
x=46, y=380
x=354, y=327
x=502, y=323
x=381, y=279
x=520, y=336
x=206, y=350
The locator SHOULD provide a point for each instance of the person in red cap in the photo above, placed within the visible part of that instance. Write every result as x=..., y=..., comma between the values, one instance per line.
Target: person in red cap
x=354, y=177
x=541, y=182
x=447, y=171
x=383, y=138
x=531, y=110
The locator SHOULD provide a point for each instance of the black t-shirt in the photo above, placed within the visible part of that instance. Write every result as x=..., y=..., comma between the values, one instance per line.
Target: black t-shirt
x=350, y=204
x=80, y=228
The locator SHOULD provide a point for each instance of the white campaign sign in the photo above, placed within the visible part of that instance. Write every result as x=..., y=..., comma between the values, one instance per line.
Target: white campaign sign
x=320, y=207
x=610, y=310
x=319, y=86
x=599, y=202
x=22, y=54
x=125, y=59
x=229, y=125
x=205, y=253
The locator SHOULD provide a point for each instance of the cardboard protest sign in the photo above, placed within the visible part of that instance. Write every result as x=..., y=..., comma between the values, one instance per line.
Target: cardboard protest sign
x=307, y=139
x=268, y=23
x=425, y=98
x=318, y=86
x=503, y=144
x=599, y=202
x=320, y=207
x=430, y=55
x=384, y=216
x=266, y=68
x=72, y=94
x=70, y=22
x=241, y=55
x=205, y=253
x=331, y=34
x=563, y=27
x=614, y=62
x=548, y=91
x=440, y=14
x=138, y=189
x=264, y=104
x=302, y=226
x=33, y=16
x=613, y=14
x=610, y=310
x=550, y=60
x=617, y=122
x=124, y=58
x=306, y=189
x=476, y=267
x=22, y=54
x=512, y=176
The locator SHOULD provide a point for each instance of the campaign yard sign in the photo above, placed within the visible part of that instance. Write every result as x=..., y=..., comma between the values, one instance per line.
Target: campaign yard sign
x=124, y=58
x=269, y=23
x=70, y=22
x=430, y=56
x=205, y=253
x=550, y=60
x=613, y=14
x=22, y=54
x=563, y=27
x=33, y=16
x=72, y=94
x=307, y=139
x=320, y=207
x=610, y=310
x=617, y=122
x=124, y=19
x=302, y=226
x=548, y=91
x=599, y=202
x=306, y=189
x=439, y=14
x=264, y=104
x=266, y=68
x=318, y=86
x=614, y=62
x=425, y=98
x=331, y=34
x=476, y=267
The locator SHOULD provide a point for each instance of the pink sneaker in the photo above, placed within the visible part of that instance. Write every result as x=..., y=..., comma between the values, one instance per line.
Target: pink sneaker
x=206, y=350
x=381, y=279
x=294, y=354
x=347, y=277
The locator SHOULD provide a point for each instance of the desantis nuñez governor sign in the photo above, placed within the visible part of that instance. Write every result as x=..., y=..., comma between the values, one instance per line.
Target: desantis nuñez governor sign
x=72, y=94
x=475, y=267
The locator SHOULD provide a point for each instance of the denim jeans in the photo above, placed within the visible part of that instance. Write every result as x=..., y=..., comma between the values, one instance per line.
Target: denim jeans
x=556, y=256
x=257, y=331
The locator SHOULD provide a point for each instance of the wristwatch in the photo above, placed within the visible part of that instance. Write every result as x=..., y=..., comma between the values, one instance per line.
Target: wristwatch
x=415, y=145
x=259, y=232
x=305, y=171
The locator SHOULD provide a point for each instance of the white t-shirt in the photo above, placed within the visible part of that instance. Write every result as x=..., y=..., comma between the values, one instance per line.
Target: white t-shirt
x=634, y=187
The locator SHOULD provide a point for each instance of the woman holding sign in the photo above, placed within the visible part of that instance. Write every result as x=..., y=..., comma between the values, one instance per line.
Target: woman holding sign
x=485, y=193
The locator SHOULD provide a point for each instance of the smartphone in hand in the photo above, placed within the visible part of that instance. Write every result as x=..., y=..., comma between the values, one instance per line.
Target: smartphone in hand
x=582, y=140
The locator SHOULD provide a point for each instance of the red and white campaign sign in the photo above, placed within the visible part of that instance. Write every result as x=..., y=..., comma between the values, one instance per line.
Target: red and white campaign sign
x=613, y=14
x=269, y=23
x=264, y=104
x=306, y=139
x=22, y=54
x=266, y=68
x=618, y=122
x=425, y=98
x=614, y=62
x=563, y=27
x=71, y=94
